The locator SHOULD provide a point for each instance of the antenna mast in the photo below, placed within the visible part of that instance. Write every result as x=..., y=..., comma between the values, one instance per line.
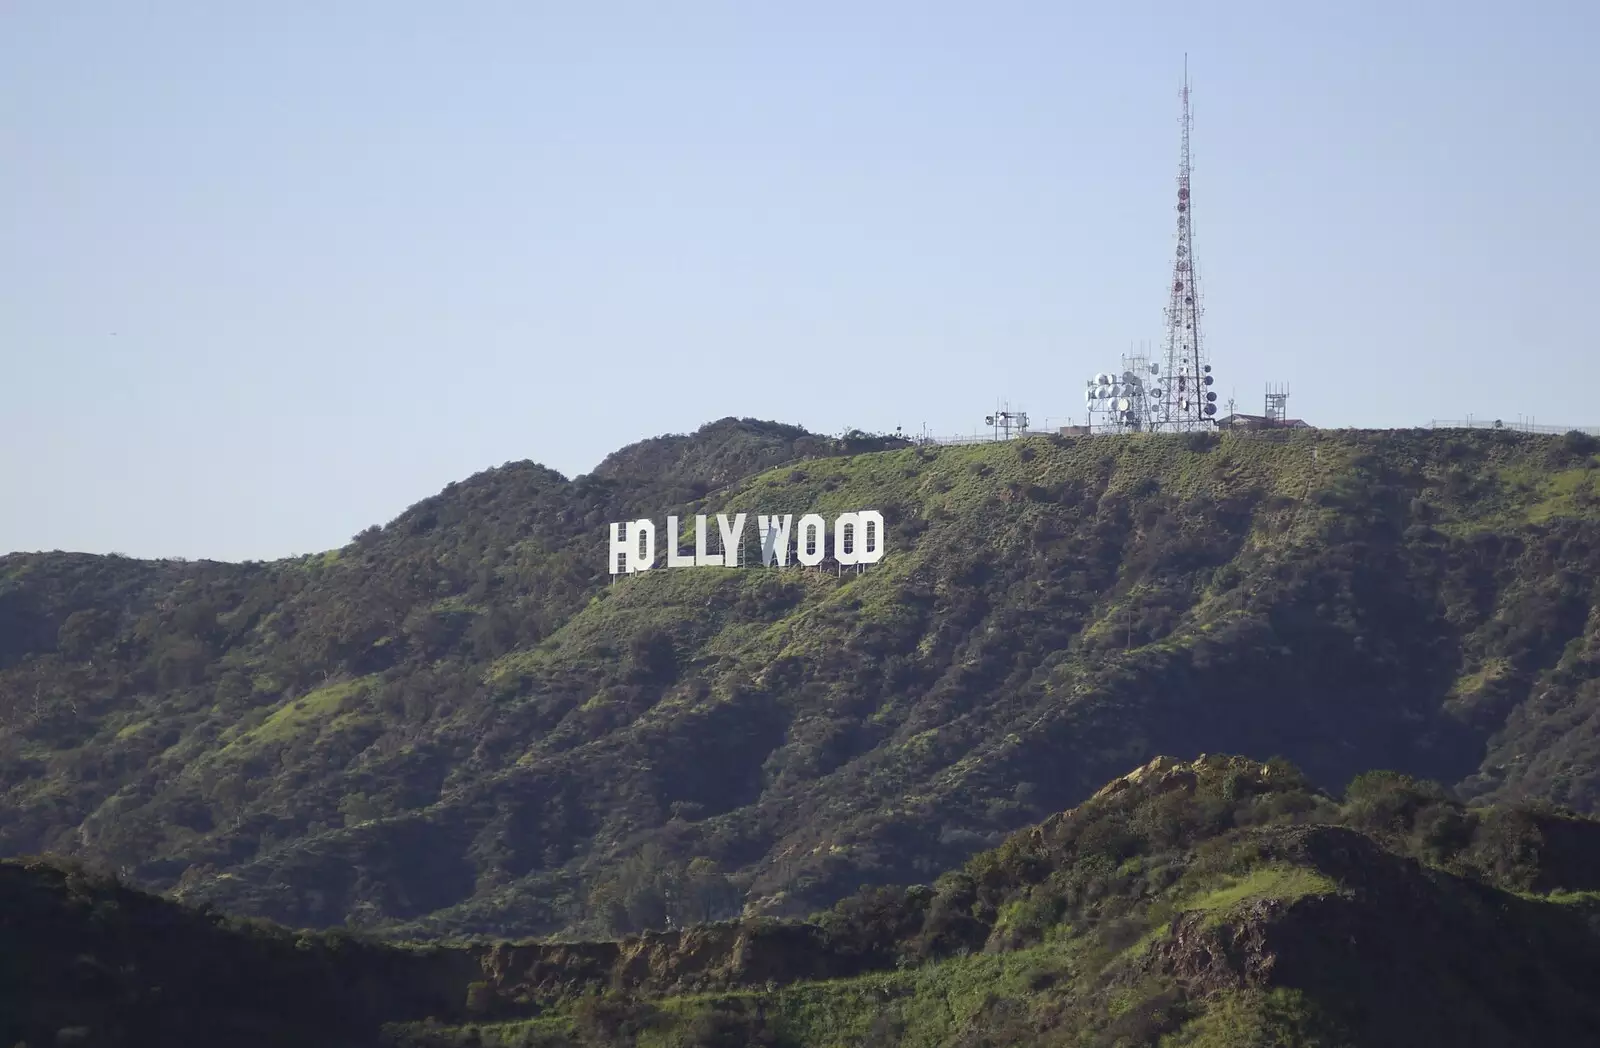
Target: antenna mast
x=1187, y=401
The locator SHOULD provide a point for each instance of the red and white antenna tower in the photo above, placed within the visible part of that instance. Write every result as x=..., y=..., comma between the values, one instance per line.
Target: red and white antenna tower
x=1187, y=401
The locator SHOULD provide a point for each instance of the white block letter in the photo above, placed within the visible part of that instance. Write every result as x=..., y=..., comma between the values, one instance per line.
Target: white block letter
x=847, y=538
x=732, y=538
x=619, y=547
x=701, y=557
x=811, y=540
x=869, y=541
x=774, y=539
x=676, y=558
x=641, y=545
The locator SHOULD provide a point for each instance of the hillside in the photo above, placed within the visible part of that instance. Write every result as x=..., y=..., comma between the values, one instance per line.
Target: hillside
x=457, y=725
x=1215, y=903
x=86, y=961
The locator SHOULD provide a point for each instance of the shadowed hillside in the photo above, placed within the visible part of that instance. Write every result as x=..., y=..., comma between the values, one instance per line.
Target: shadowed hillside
x=1215, y=903
x=457, y=724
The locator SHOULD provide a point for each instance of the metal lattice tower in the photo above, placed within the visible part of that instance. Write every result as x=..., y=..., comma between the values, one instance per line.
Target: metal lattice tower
x=1277, y=406
x=1187, y=402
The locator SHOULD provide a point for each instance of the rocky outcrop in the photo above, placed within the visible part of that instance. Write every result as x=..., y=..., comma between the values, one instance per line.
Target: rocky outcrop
x=1393, y=934
x=723, y=956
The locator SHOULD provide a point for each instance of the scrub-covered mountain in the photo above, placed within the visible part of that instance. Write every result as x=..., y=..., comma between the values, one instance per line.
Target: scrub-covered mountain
x=460, y=724
x=1214, y=903
x=85, y=961
x=1220, y=902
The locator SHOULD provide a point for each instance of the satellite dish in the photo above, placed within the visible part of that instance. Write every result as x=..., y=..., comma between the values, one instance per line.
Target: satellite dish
x=1155, y=369
x=1211, y=409
x=1102, y=379
x=1123, y=405
x=1127, y=376
x=1211, y=396
x=1209, y=380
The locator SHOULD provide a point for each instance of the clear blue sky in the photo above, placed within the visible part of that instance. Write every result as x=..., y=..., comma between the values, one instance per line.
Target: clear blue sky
x=271, y=272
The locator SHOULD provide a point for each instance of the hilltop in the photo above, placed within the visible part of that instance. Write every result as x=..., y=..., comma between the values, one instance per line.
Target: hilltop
x=458, y=724
x=1219, y=902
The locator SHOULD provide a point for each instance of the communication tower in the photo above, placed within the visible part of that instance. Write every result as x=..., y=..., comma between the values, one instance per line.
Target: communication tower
x=1277, y=407
x=1188, y=402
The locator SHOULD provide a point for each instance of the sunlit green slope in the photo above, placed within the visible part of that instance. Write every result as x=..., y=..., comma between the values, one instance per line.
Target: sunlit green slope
x=460, y=723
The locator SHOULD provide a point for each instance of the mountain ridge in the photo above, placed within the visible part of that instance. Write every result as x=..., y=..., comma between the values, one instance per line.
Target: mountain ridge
x=459, y=723
x=1217, y=902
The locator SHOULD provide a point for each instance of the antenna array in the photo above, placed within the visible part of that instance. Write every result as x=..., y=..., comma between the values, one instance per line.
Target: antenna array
x=1128, y=401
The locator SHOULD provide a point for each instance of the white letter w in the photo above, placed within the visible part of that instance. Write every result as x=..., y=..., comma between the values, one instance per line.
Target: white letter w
x=774, y=539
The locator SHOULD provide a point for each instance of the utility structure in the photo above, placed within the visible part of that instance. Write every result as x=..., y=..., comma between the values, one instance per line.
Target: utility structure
x=1172, y=395
x=1005, y=420
x=1188, y=401
x=1277, y=405
x=1128, y=401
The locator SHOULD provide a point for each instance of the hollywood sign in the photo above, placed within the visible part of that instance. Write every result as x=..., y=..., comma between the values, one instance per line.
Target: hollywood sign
x=857, y=541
